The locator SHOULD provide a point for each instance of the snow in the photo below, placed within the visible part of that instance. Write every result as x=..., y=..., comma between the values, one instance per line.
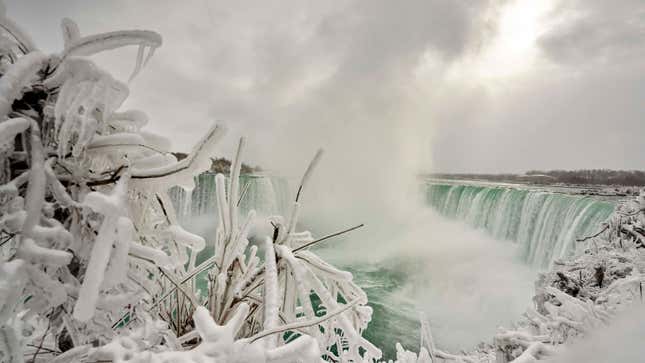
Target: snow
x=113, y=207
x=128, y=121
x=271, y=305
x=155, y=255
x=33, y=253
x=116, y=140
x=12, y=284
x=193, y=241
x=10, y=128
x=156, y=141
x=17, y=77
x=183, y=172
x=153, y=161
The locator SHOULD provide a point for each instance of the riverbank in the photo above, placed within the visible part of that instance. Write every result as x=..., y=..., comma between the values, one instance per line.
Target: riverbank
x=580, y=178
x=577, y=297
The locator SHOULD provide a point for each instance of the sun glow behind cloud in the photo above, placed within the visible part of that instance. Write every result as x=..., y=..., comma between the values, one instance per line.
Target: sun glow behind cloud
x=514, y=48
x=511, y=52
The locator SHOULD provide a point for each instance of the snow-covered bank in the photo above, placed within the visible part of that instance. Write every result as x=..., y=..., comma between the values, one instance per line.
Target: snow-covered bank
x=589, y=298
x=579, y=297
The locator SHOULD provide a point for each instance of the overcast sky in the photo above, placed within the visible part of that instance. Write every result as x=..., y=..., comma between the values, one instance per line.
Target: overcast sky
x=455, y=86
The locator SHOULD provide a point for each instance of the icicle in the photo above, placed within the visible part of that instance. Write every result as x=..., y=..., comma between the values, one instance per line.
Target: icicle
x=271, y=304
x=149, y=56
x=86, y=98
x=139, y=63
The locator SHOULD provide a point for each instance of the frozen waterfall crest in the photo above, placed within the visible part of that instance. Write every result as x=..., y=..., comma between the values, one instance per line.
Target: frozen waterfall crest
x=545, y=224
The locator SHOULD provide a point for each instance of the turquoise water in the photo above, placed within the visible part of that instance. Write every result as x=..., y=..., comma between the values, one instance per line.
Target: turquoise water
x=541, y=224
x=392, y=316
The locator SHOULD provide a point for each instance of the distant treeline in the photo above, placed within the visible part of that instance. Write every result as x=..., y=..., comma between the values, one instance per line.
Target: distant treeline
x=223, y=165
x=578, y=177
x=595, y=176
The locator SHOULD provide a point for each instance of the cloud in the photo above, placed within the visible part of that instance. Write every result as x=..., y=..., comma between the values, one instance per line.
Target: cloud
x=577, y=105
x=596, y=31
x=294, y=76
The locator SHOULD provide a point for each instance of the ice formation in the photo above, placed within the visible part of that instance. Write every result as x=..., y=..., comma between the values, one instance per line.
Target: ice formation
x=94, y=263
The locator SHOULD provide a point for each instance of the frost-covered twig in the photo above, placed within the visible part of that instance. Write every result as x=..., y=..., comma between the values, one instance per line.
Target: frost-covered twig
x=606, y=227
x=24, y=41
x=309, y=244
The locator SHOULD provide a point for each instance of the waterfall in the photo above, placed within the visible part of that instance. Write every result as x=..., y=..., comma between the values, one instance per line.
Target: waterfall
x=267, y=195
x=544, y=223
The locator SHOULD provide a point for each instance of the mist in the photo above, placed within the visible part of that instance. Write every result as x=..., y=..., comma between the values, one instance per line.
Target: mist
x=466, y=283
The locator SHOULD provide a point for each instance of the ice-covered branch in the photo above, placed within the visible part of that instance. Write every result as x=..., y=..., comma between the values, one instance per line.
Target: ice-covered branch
x=182, y=172
x=24, y=41
x=13, y=82
x=92, y=44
